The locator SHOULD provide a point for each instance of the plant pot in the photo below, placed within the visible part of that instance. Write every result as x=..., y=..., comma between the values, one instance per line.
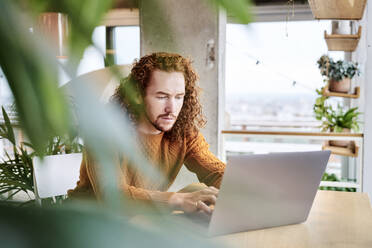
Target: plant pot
x=342, y=86
x=341, y=143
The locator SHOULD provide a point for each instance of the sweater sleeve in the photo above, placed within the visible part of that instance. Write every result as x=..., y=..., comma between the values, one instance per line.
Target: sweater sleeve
x=200, y=160
x=89, y=175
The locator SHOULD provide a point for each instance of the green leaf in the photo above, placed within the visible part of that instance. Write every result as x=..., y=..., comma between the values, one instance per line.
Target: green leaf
x=338, y=129
x=100, y=228
x=12, y=194
x=33, y=81
x=9, y=129
x=240, y=9
x=6, y=189
x=29, y=145
x=15, y=183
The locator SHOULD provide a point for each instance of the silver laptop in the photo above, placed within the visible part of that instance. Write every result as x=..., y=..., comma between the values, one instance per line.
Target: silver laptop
x=261, y=191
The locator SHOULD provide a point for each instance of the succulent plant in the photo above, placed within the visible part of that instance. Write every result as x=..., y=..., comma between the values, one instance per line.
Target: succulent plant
x=337, y=70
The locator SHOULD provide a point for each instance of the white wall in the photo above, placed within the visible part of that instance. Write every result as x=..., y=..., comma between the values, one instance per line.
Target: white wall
x=367, y=173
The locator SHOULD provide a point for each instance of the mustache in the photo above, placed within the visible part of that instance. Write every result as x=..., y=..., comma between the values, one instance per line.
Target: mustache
x=167, y=116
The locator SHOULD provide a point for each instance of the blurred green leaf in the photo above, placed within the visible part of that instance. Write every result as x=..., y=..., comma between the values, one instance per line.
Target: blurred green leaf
x=107, y=133
x=83, y=15
x=44, y=113
x=88, y=226
x=240, y=9
x=32, y=75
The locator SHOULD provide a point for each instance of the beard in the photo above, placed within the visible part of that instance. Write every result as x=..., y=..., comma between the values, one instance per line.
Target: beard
x=158, y=127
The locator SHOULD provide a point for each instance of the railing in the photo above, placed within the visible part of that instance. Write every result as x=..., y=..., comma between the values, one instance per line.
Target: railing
x=243, y=141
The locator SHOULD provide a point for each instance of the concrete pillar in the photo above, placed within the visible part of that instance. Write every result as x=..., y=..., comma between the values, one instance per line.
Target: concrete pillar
x=194, y=29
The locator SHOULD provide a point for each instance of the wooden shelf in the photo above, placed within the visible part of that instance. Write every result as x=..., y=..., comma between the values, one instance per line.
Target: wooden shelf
x=121, y=17
x=351, y=151
x=326, y=92
x=291, y=133
x=338, y=9
x=343, y=42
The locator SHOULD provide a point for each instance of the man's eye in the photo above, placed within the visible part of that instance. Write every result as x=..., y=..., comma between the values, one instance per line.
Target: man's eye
x=179, y=97
x=161, y=97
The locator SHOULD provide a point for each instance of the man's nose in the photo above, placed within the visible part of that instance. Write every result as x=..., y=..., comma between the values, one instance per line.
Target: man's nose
x=170, y=106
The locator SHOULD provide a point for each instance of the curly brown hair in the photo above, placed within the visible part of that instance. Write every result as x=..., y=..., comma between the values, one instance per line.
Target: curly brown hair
x=132, y=89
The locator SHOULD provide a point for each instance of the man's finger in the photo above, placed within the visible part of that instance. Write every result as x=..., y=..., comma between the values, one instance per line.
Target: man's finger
x=209, y=199
x=209, y=191
x=203, y=207
x=215, y=190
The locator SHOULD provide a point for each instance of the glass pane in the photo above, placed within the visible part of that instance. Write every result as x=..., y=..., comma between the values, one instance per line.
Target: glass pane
x=271, y=77
x=127, y=44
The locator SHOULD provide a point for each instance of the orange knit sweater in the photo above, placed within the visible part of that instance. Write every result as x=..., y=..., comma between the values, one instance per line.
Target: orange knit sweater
x=168, y=157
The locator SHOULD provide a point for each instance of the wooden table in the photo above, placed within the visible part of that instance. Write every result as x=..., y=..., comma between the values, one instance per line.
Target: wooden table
x=337, y=219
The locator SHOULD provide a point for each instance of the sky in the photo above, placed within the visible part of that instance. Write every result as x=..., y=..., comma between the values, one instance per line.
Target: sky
x=261, y=58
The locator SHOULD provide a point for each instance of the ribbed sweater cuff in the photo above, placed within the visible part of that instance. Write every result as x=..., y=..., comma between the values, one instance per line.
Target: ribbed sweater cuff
x=160, y=197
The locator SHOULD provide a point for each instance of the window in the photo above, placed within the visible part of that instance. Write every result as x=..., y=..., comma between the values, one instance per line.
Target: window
x=271, y=77
x=126, y=43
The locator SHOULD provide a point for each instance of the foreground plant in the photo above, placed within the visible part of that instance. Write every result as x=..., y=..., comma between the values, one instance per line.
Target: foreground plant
x=43, y=112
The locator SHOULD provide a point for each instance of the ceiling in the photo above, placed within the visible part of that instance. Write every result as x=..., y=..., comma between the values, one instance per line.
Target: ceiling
x=278, y=2
x=134, y=3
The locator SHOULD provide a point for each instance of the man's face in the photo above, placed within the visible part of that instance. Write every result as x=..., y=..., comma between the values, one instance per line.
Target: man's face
x=164, y=99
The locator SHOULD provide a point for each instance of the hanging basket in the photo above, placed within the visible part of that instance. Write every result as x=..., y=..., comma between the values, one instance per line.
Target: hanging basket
x=338, y=9
x=343, y=42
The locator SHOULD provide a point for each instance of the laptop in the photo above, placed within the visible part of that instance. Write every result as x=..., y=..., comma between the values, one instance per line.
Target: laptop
x=262, y=191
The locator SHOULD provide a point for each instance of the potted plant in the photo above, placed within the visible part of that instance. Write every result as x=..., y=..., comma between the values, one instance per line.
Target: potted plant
x=339, y=120
x=16, y=167
x=338, y=74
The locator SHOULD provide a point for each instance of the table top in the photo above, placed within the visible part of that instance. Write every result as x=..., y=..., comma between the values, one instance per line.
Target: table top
x=337, y=219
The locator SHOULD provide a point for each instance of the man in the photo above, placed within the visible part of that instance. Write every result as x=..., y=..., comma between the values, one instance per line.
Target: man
x=160, y=96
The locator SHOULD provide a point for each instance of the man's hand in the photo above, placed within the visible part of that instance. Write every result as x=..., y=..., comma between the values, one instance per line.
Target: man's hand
x=198, y=201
